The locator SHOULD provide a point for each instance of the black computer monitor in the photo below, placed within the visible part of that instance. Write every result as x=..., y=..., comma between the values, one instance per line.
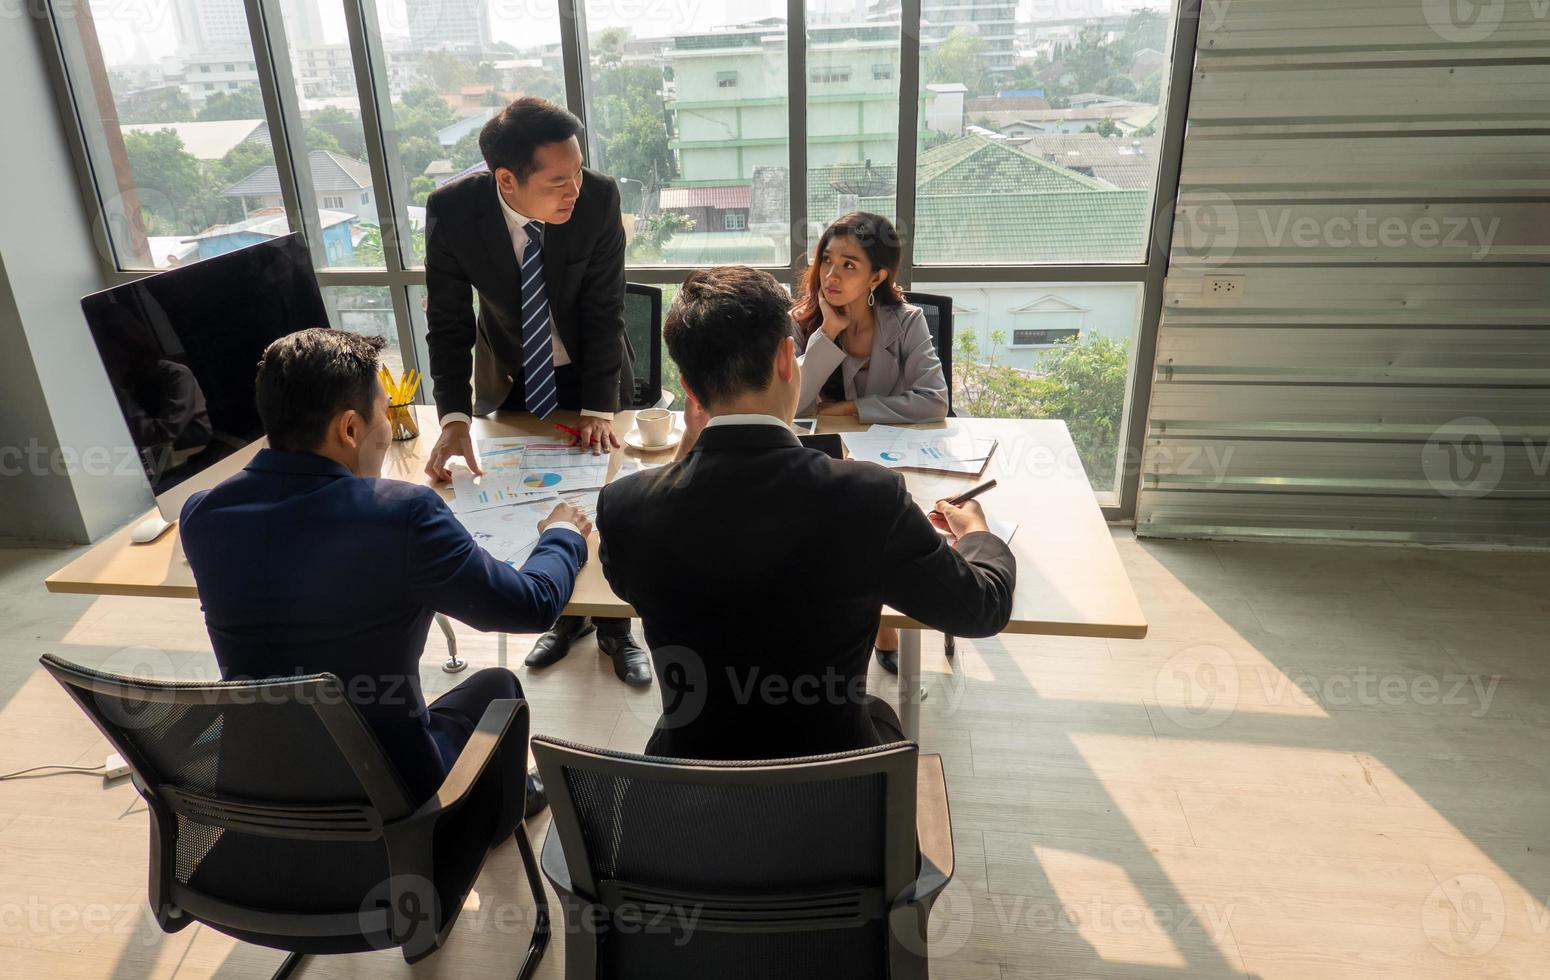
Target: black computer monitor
x=181, y=349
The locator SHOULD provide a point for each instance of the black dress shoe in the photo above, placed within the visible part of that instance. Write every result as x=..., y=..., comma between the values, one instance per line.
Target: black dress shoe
x=552, y=647
x=632, y=664
x=887, y=659
x=537, y=799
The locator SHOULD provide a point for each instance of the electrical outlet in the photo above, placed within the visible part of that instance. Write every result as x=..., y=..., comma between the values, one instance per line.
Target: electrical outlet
x=1222, y=291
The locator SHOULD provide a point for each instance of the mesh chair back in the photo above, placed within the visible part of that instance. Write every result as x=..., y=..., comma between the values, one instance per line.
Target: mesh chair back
x=748, y=869
x=939, y=320
x=267, y=794
x=643, y=330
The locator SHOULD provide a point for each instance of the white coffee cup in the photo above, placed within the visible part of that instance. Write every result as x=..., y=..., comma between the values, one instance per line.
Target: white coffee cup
x=655, y=425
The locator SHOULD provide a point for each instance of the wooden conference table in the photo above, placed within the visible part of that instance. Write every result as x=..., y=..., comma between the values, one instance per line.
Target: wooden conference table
x=1070, y=581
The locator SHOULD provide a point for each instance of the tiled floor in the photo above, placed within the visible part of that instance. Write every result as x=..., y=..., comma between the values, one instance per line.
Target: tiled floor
x=1323, y=762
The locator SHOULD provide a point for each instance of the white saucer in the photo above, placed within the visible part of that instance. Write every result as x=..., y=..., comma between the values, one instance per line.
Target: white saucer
x=632, y=439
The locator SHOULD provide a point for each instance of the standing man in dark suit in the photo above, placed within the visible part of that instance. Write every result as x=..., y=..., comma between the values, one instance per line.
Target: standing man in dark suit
x=539, y=237
x=760, y=567
x=307, y=561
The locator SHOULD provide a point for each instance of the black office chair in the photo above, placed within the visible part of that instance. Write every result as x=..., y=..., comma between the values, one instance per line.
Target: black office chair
x=277, y=820
x=817, y=867
x=643, y=331
x=939, y=319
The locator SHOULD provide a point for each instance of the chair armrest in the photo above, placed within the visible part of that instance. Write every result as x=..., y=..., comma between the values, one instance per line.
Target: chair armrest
x=491, y=735
x=933, y=827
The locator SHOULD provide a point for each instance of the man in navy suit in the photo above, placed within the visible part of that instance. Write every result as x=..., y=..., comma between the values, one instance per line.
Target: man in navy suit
x=307, y=561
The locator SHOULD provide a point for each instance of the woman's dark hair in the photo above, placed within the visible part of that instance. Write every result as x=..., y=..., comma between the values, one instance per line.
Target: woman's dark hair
x=723, y=330
x=308, y=377
x=877, y=238
x=514, y=134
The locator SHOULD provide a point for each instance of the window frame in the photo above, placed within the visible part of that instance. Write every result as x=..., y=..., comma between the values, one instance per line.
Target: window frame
x=277, y=85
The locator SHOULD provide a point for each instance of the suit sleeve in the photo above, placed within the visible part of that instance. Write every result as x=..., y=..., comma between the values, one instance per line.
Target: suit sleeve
x=615, y=581
x=601, y=312
x=818, y=358
x=922, y=387
x=964, y=591
x=447, y=571
x=450, y=325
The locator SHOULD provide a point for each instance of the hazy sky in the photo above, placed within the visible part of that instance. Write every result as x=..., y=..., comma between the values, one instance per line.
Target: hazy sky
x=148, y=27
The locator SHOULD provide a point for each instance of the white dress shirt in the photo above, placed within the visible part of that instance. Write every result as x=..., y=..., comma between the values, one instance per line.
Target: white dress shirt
x=515, y=226
x=752, y=419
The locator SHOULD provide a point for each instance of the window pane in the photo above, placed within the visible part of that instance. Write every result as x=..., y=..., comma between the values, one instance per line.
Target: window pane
x=1048, y=350
x=332, y=134
x=451, y=64
x=852, y=111
x=688, y=112
x=1044, y=149
x=173, y=118
x=366, y=310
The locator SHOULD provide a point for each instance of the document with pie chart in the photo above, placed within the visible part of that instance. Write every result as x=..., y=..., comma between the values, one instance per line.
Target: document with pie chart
x=560, y=470
x=517, y=469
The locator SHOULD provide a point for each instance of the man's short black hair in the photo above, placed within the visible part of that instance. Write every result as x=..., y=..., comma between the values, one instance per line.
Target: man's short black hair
x=514, y=134
x=724, y=328
x=307, y=378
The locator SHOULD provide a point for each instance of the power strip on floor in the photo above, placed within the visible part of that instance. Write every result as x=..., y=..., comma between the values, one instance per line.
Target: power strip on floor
x=115, y=767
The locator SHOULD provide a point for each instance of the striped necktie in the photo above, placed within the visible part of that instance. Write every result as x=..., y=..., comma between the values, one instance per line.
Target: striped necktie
x=537, y=347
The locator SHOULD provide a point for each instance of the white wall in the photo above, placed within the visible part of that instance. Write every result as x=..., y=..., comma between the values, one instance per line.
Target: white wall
x=56, y=395
x=1387, y=373
x=1103, y=309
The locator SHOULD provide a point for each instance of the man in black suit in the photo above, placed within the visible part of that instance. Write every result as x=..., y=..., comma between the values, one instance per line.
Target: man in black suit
x=760, y=567
x=539, y=237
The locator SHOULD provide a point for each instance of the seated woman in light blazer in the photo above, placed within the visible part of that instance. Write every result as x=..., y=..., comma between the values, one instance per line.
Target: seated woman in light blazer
x=864, y=351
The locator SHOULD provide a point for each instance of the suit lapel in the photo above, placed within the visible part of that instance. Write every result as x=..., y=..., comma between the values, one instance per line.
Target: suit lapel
x=554, y=275
x=883, y=363
x=507, y=272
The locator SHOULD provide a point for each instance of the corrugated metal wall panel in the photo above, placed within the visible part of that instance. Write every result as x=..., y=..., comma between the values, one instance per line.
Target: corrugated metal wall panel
x=1377, y=172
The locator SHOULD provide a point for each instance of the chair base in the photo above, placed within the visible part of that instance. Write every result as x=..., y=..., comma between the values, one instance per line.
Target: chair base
x=948, y=646
x=540, y=941
x=537, y=945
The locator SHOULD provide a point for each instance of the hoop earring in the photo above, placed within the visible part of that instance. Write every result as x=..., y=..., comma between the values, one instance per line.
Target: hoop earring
x=871, y=298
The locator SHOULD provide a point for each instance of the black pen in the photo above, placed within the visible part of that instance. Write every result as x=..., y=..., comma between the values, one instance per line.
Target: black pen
x=969, y=495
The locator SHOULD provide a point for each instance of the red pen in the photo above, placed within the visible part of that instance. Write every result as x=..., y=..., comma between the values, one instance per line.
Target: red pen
x=574, y=434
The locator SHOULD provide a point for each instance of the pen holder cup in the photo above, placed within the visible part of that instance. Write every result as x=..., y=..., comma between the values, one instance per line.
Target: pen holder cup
x=402, y=419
